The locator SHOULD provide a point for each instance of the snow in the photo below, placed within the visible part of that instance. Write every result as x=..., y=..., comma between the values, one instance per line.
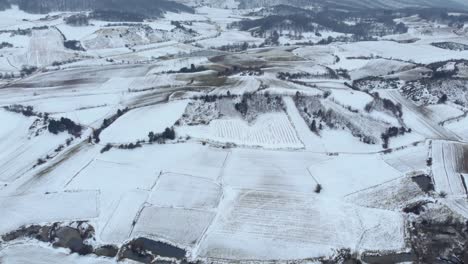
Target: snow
x=188, y=158
x=378, y=67
x=322, y=55
x=181, y=227
x=100, y=173
x=272, y=130
x=420, y=53
x=345, y=174
x=447, y=165
x=113, y=180
x=185, y=191
x=13, y=18
x=56, y=173
x=119, y=226
x=45, y=47
x=442, y=112
x=77, y=32
x=459, y=127
x=139, y=122
x=272, y=170
x=391, y=195
x=89, y=116
x=47, y=208
x=45, y=254
x=409, y=159
x=20, y=149
x=281, y=225
x=230, y=38
x=310, y=140
x=252, y=200
x=413, y=115
x=354, y=99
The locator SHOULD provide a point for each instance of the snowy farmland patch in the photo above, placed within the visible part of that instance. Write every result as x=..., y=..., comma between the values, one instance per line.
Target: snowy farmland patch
x=379, y=67
x=89, y=116
x=277, y=170
x=139, y=122
x=181, y=227
x=447, y=168
x=267, y=225
x=20, y=149
x=230, y=38
x=310, y=140
x=459, y=127
x=45, y=254
x=119, y=225
x=318, y=54
x=187, y=158
x=271, y=130
x=345, y=174
x=408, y=159
x=110, y=176
x=442, y=112
x=419, y=122
x=45, y=47
x=47, y=208
x=355, y=99
x=185, y=191
x=419, y=53
x=391, y=195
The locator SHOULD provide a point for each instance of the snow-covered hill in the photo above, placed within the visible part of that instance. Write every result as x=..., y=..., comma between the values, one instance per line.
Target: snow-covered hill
x=225, y=135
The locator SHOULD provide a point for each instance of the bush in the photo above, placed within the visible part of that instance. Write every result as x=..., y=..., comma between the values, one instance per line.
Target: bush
x=106, y=148
x=77, y=20
x=27, y=70
x=318, y=188
x=64, y=124
x=443, y=99
x=169, y=133
x=429, y=162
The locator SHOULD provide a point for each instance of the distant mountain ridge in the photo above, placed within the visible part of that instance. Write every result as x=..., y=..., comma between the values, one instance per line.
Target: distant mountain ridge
x=359, y=4
x=4, y=4
x=147, y=8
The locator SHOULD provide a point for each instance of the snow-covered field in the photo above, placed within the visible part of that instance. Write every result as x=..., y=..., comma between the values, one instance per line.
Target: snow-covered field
x=185, y=191
x=272, y=130
x=410, y=159
x=47, y=208
x=136, y=124
x=283, y=225
x=45, y=254
x=253, y=174
x=447, y=167
x=183, y=227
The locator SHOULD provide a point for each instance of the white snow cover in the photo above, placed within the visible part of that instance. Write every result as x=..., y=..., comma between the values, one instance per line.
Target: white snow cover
x=185, y=191
x=182, y=227
x=119, y=226
x=136, y=124
x=280, y=225
x=310, y=140
x=47, y=208
x=252, y=200
x=271, y=170
x=409, y=159
x=45, y=254
x=339, y=176
x=272, y=130
x=447, y=166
